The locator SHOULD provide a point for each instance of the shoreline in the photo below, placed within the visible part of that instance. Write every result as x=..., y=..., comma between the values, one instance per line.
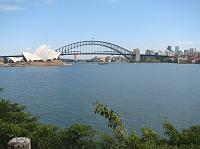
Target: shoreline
x=60, y=63
x=33, y=64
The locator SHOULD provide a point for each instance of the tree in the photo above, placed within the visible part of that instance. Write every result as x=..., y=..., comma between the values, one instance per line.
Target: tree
x=14, y=121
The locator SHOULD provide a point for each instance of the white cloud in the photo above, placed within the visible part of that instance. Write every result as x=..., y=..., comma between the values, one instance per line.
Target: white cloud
x=9, y=7
x=187, y=42
x=13, y=5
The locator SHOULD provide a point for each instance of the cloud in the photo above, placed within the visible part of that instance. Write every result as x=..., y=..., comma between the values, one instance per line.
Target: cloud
x=9, y=7
x=13, y=5
x=187, y=42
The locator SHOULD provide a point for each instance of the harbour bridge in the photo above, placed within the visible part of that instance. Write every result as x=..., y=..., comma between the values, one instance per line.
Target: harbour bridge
x=95, y=48
x=92, y=47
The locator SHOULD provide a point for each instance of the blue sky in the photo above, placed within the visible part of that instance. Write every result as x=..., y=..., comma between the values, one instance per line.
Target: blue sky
x=153, y=24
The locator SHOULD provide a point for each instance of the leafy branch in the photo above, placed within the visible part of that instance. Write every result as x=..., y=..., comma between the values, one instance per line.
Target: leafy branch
x=114, y=120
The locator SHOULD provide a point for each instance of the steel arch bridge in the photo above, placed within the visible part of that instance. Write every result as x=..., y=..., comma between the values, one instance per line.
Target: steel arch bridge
x=106, y=48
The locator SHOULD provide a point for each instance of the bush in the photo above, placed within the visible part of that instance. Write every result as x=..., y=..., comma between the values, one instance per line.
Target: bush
x=15, y=122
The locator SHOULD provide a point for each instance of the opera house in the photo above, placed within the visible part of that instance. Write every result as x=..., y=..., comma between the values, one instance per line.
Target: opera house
x=43, y=56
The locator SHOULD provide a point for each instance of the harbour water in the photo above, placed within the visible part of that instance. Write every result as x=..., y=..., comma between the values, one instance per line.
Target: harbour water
x=145, y=95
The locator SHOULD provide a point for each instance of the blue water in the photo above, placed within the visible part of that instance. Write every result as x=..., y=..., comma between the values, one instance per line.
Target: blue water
x=145, y=95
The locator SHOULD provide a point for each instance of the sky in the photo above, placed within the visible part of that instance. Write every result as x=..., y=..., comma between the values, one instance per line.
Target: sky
x=144, y=24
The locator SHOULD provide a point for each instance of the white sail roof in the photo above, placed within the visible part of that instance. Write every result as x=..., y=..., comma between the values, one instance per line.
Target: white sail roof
x=43, y=52
x=53, y=54
x=31, y=57
x=16, y=59
x=46, y=54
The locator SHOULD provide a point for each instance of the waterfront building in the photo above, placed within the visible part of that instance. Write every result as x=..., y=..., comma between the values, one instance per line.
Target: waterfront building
x=102, y=59
x=169, y=53
x=149, y=52
x=137, y=54
x=16, y=59
x=176, y=50
x=30, y=57
x=46, y=53
x=182, y=60
x=181, y=53
x=108, y=58
x=192, y=50
x=43, y=53
x=156, y=53
x=42, y=57
x=169, y=48
x=161, y=52
x=1, y=61
x=186, y=52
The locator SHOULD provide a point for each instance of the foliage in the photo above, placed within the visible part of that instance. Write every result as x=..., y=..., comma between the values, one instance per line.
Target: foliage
x=14, y=121
x=114, y=119
x=173, y=139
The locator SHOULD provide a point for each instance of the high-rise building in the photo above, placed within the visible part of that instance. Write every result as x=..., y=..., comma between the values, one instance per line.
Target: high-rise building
x=169, y=48
x=186, y=51
x=137, y=54
x=149, y=52
x=192, y=50
x=1, y=61
x=169, y=51
x=176, y=50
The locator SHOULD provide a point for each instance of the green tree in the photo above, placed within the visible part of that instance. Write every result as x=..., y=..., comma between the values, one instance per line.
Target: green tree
x=14, y=121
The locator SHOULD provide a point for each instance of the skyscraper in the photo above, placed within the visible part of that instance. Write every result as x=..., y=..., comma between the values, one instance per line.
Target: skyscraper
x=169, y=48
x=192, y=50
x=137, y=54
x=176, y=50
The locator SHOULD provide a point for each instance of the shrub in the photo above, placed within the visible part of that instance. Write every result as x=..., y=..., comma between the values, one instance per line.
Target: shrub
x=14, y=121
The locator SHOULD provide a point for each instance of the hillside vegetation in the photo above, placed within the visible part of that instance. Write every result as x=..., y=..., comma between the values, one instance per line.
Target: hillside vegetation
x=14, y=121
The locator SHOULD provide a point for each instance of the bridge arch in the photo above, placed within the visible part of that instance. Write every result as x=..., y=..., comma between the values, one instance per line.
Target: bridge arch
x=71, y=49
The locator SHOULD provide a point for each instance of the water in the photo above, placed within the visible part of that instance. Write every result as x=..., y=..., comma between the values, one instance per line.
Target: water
x=145, y=95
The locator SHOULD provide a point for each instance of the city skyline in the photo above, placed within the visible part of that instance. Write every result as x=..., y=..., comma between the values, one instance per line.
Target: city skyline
x=131, y=24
